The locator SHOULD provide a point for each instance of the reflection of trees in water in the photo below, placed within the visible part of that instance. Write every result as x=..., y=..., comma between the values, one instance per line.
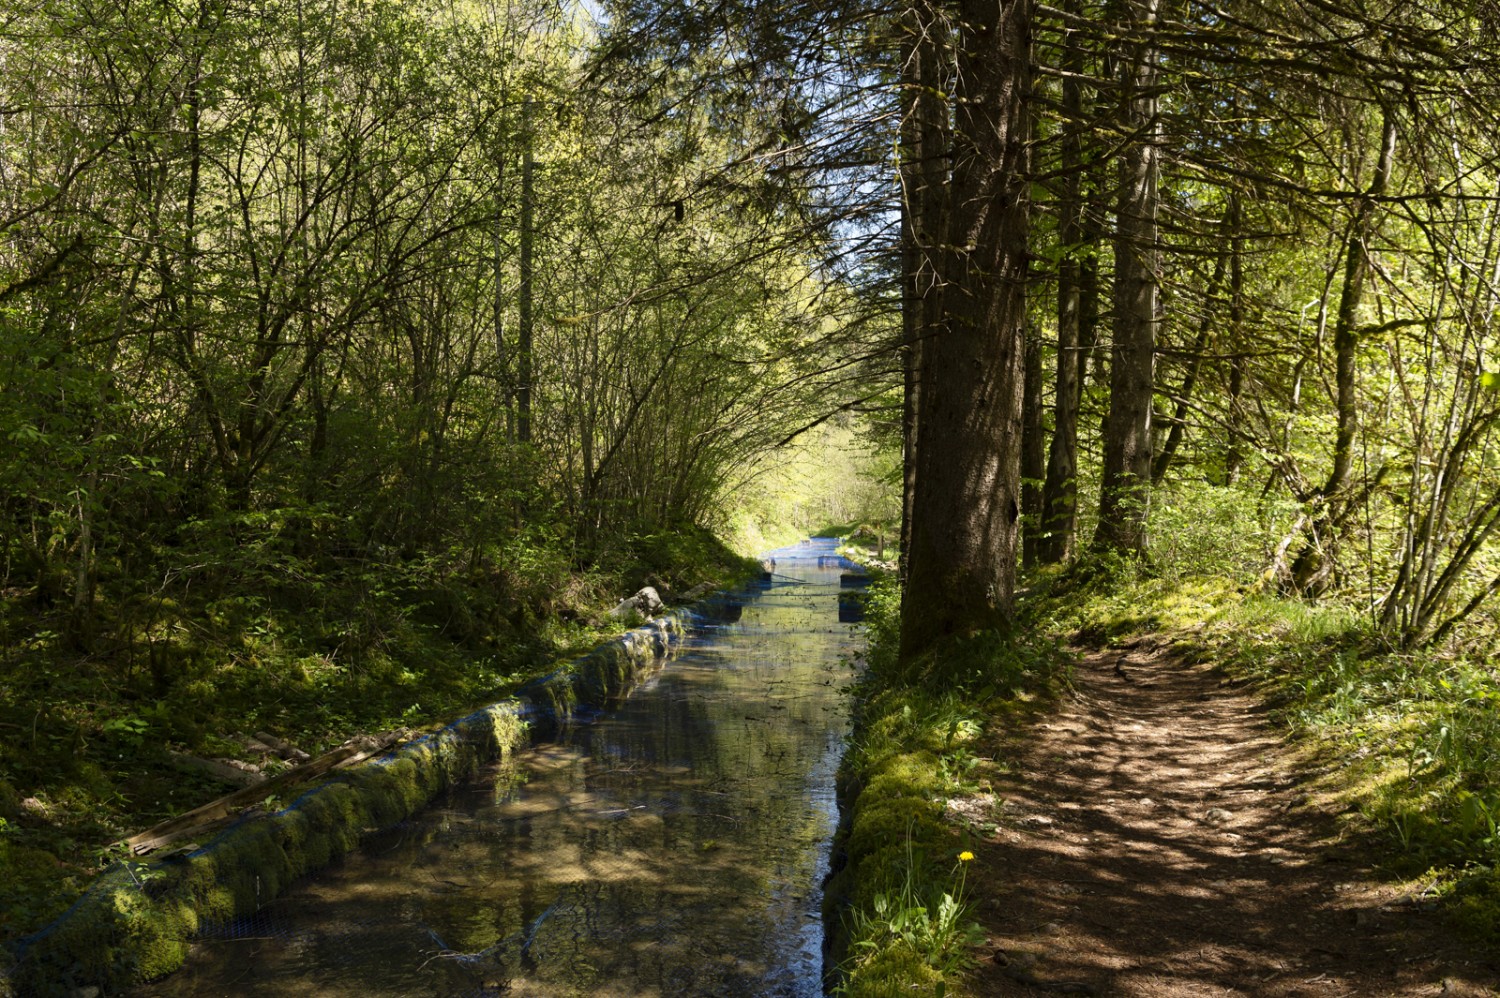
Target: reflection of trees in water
x=671, y=847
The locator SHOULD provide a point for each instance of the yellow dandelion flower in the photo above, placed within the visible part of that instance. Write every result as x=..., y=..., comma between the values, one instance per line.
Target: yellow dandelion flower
x=965, y=856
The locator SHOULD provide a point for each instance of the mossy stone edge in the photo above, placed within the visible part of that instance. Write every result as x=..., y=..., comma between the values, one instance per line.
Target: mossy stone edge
x=890, y=811
x=135, y=922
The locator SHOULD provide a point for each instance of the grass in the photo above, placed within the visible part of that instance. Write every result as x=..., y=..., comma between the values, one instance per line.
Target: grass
x=897, y=905
x=299, y=642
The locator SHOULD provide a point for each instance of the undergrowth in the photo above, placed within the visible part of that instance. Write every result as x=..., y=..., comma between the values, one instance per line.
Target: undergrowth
x=1410, y=739
x=899, y=911
x=284, y=632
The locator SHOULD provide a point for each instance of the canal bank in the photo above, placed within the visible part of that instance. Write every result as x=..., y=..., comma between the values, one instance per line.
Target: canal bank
x=649, y=842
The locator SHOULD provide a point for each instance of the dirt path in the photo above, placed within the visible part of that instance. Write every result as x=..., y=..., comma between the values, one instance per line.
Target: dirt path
x=1153, y=841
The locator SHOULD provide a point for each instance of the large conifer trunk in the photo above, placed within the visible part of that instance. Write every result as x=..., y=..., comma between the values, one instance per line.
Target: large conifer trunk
x=966, y=504
x=924, y=179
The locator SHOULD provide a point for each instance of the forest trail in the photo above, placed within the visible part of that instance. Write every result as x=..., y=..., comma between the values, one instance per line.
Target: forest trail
x=1155, y=840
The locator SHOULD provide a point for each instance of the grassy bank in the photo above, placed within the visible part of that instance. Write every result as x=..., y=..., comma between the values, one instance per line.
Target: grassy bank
x=897, y=905
x=1404, y=747
x=292, y=640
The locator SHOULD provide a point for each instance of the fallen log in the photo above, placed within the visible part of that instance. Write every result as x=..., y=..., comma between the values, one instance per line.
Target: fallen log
x=285, y=749
x=244, y=775
x=216, y=814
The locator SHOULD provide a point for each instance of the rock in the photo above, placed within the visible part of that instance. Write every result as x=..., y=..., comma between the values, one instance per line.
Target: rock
x=10, y=802
x=1217, y=816
x=283, y=749
x=1017, y=959
x=699, y=591
x=647, y=603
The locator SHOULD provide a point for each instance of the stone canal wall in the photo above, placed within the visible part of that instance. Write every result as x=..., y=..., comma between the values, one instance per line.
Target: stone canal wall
x=136, y=921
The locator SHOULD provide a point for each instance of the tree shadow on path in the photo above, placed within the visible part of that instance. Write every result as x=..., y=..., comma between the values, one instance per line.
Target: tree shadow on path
x=1154, y=839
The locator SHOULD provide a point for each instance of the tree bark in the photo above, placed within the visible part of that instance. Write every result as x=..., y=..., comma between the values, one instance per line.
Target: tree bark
x=1125, y=490
x=1234, y=455
x=1178, y=428
x=1033, y=452
x=1059, y=503
x=961, y=567
x=1312, y=571
x=924, y=140
x=524, y=318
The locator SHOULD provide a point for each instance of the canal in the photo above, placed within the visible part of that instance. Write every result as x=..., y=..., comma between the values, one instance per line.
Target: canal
x=674, y=845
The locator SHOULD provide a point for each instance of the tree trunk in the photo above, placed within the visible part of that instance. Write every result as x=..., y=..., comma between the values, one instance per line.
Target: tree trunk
x=524, y=319
x=924, y=140
x=961, y=567
x=1346, y=325
x=1312, y=571
x=1059, y=503
x=1178, y=428
x=1125, y=490
x=1033, y=452
x=1234, y=456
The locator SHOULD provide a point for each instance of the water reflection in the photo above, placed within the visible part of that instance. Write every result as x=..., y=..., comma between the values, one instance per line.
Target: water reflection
x=674, y=847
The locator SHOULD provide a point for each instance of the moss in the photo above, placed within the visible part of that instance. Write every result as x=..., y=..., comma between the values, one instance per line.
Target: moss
x=879, y=820
x=134, y=923
x=604, y=674
x=889, y=787
x=155, y=936
x=915, y=727
x=1476, y=907
x=895, y=971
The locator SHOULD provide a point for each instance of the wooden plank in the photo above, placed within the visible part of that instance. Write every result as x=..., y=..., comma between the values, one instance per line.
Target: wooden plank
x=216, y=814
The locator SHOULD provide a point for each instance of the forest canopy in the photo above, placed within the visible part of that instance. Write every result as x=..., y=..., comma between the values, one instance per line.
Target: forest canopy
x=354, y=284
x=353, y=356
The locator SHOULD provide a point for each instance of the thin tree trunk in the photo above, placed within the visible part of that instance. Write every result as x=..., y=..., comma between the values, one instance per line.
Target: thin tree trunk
x=1059, y=502
x=524, y=323
x=1178, y=428
x=1313, y=568
x=1234, y=456
x=1125, y=490
x=1346, y=324
x=502, y=359
x=1033, y=452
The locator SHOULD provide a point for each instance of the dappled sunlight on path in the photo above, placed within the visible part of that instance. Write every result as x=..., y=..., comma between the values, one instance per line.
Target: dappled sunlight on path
x=1154, y=841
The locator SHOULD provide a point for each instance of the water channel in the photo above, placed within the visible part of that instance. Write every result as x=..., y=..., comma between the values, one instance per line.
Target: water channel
x=674, y=846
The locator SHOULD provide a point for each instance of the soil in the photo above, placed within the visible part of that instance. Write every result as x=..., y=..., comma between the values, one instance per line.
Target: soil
x=1156, y=838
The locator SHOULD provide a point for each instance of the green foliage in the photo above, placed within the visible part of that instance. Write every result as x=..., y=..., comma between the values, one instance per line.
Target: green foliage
x=261, y=374
x=931, y=920
x=837, y=480
x=278, y=633
x=900, y=912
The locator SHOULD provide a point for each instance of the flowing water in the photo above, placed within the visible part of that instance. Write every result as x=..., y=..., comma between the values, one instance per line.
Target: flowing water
x=674, y=846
